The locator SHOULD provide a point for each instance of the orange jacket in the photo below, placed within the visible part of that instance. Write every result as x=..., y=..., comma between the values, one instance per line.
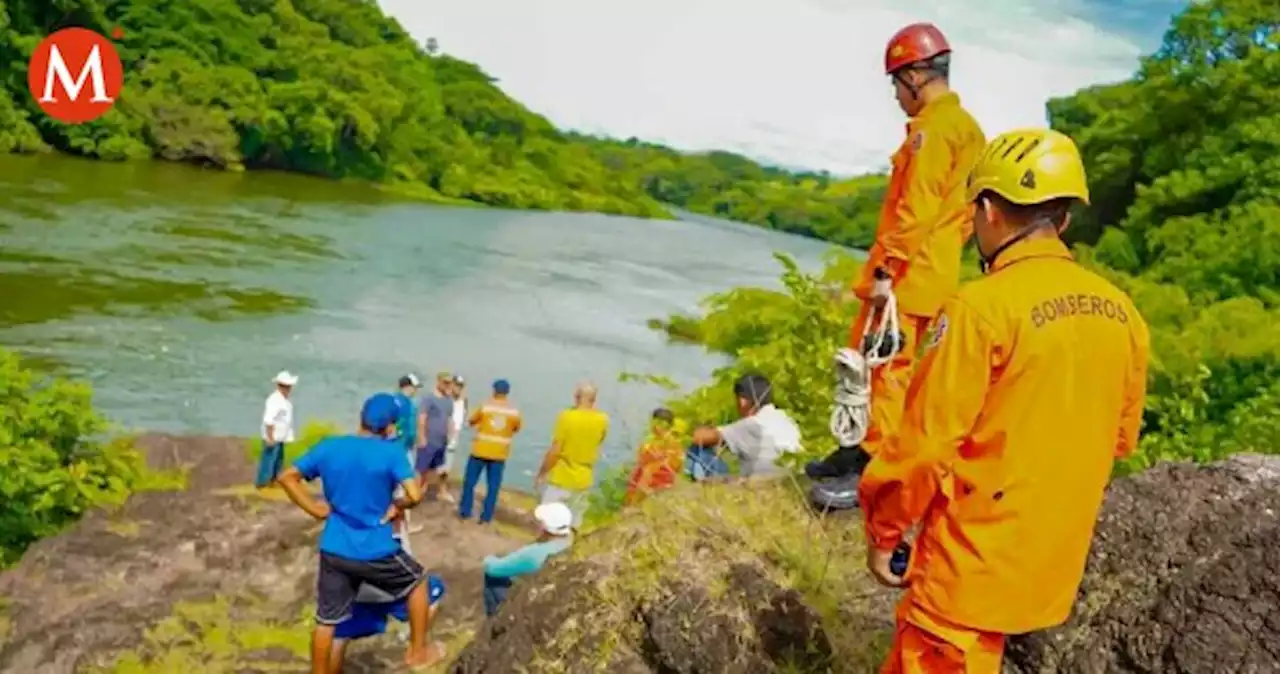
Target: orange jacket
x=925, y=219
x=1033, y=383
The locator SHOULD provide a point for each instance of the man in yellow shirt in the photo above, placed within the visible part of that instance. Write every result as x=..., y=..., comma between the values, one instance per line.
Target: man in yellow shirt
x=568, y=469
x=495, y=422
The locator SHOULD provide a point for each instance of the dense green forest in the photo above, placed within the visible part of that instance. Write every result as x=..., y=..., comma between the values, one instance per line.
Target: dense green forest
x=335, y=88
x=1183, y=160
x=1184, y=171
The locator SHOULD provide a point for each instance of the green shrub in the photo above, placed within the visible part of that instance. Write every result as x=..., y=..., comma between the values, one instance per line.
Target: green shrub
x=607, y=498
x=312, y=432
x=56, y=458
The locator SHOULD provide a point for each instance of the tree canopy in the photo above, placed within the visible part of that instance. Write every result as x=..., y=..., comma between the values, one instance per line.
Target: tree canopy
x=1184, y=174
x=335, y=88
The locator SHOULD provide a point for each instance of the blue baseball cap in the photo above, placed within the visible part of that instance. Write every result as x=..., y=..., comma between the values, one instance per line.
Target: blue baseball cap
x=502, y=387
x=379, y=411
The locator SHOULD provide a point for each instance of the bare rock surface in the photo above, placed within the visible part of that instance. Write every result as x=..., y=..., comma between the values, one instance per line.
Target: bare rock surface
x=78, y=599
x=1183, y=578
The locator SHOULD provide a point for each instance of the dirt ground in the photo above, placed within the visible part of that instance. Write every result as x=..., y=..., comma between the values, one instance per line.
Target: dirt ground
x=217, y=578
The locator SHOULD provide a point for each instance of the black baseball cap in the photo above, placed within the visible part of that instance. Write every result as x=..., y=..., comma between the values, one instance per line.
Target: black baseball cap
x=410, y=379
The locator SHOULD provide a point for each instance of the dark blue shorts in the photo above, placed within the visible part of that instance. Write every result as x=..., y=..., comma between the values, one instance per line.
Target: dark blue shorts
x=369, y=620
x=430, y=458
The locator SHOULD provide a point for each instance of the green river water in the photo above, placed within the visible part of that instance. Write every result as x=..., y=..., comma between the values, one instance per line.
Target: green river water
x=179, y=293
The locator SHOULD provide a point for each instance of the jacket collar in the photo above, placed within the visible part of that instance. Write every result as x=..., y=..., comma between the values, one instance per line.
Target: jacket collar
x=1044, y=246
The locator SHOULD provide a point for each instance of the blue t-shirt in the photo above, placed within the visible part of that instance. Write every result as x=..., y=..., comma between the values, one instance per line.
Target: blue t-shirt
x=360, y=476
x=407, y=424
x=439, y=411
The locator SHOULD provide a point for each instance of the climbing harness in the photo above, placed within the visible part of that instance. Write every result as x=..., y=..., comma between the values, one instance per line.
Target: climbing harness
x=880, y=345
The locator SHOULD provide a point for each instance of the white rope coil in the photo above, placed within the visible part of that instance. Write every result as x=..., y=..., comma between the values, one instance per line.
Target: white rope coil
x=850, y=415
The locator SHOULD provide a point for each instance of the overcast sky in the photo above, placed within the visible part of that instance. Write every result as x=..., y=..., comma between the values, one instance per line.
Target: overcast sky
x=797, y=82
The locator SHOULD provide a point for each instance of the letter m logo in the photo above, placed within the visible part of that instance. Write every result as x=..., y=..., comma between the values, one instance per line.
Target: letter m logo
x=59, y=72
x=75, y=75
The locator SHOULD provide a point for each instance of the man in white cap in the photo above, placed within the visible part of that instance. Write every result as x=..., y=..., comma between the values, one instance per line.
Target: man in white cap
x=277, y=428
x=555, y=533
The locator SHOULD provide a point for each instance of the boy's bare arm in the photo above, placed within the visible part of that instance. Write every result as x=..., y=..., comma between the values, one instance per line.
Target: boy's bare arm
x=294, y=485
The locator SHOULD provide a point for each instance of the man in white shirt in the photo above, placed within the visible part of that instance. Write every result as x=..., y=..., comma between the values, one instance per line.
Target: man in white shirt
x=277, y=428
x=761, y=436
x=461, y=412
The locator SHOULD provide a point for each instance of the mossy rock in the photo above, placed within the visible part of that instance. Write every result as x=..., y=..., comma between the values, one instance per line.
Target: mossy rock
x=725, y=579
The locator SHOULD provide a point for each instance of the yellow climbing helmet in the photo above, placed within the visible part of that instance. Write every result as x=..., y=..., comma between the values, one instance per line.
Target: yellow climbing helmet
x=1030, y=166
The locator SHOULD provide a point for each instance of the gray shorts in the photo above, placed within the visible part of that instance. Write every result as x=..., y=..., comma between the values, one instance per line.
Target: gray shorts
x=576, y=500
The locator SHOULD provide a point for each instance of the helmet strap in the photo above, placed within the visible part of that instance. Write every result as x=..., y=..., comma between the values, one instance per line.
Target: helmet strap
x=922, y=67
x=985, y=262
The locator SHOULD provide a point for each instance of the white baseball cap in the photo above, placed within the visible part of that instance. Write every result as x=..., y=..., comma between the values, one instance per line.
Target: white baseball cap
x=286, y=378
x=554, y=518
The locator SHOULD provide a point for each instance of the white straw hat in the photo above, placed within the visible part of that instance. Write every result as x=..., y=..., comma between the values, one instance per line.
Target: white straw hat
x=286, y=378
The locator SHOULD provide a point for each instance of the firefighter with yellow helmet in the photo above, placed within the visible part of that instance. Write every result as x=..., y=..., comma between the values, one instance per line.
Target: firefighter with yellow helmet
x=1031, y=386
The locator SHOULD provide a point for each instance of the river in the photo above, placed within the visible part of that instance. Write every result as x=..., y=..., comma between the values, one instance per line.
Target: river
x=180, y=292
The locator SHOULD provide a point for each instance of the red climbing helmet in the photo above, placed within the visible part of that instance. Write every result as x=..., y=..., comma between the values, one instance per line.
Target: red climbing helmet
x=914, y=44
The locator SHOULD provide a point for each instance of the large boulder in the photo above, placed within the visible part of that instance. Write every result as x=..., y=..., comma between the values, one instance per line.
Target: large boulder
x=1183, y=577
x=723, y=580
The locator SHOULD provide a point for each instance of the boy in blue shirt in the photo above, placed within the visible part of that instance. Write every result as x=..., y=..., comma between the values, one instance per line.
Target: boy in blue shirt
x=360, y=474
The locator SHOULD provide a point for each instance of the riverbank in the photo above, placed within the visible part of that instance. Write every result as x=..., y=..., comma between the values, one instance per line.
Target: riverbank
x=218, y=577
x=724, y=579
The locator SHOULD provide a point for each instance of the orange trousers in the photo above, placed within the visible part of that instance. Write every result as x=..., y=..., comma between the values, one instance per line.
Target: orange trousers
x=889, y=381
x=926, y=644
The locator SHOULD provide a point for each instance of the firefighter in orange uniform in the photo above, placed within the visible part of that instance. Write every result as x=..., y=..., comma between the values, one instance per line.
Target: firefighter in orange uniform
x=1032, y=384
x=925, y=219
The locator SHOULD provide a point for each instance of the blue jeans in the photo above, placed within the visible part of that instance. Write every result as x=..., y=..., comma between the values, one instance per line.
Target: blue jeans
x=270, y=463
x=493, y=481
x=701, y=463
x=495, y=592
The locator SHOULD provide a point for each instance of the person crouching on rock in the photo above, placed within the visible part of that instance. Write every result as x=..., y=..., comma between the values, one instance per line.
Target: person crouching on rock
x=369, y=617
x=659, y=460
x=555, y=534
x=360, y=474
x=1032, y=384
x=761, y=436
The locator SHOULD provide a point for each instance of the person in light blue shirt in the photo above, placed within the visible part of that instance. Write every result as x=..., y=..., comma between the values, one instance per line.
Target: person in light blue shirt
x=555, y=524
x=407, y=422
x=360, y=475
x=407, y=434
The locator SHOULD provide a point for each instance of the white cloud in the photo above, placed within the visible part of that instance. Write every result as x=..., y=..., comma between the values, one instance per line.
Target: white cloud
x=792, y=81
